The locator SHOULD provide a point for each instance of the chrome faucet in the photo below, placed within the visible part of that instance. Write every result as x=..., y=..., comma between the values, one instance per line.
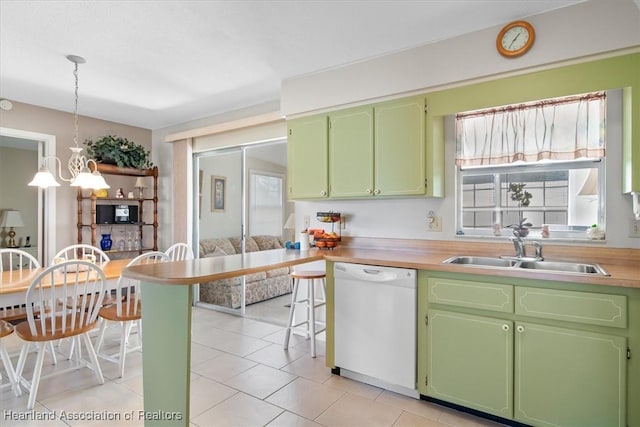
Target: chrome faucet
x=538, y=247
x=518, y=244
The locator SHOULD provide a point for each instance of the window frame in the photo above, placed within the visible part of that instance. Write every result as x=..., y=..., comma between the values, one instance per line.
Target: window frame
x=576, y=232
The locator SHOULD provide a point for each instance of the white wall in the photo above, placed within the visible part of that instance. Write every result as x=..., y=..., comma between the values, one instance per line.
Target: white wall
x=597, y=27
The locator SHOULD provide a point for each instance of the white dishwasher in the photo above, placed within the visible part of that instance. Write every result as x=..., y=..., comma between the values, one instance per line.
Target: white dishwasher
x=375, y=325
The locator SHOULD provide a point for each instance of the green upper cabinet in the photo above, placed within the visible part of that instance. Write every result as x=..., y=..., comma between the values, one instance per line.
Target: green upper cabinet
x=351, y=152
x=378, y=150
x=308, y=157
x=400, y=157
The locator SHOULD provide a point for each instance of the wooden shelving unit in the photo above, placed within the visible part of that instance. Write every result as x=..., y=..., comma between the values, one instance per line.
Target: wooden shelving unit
x=87, y=199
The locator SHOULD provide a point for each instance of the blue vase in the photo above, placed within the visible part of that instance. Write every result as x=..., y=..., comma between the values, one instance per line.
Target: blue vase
x=106, y=242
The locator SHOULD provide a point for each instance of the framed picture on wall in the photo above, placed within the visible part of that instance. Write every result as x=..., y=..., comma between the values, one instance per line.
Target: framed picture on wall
x=218, y=193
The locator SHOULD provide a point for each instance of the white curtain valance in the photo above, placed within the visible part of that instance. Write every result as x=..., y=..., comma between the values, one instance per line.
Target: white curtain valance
x=559, y=129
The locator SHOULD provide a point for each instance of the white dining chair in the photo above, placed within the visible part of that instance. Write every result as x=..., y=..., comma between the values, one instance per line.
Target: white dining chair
x=80, y=251
x=6, y=329
x=127, y=311
x=15, y=260
x=49, y=317
x=179, y=252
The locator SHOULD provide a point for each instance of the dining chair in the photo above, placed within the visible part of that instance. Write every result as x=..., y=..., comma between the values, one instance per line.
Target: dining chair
x=81, y=251
x=49, y=317
x=179, y=252
x=6, y=329
x=15, y=260
x=126, y=311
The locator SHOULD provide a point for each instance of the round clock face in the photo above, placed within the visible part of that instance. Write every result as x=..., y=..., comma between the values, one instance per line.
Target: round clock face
x=515, y=39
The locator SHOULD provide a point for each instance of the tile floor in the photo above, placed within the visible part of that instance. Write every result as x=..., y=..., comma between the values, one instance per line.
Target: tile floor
x=240, y=376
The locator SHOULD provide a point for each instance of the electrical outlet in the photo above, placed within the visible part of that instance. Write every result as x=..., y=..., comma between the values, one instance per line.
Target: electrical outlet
x=306, y=222
x=434, y=223
x=634, y=229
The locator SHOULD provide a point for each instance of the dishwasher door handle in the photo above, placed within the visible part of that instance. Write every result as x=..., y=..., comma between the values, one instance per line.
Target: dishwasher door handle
x=368, y=274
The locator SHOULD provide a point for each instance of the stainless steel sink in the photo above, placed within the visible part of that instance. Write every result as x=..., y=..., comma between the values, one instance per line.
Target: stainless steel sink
x=566, y=267
x=528, y=264
x=481, y=261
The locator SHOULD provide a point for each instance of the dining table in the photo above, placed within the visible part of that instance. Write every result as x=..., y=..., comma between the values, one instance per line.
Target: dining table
x=14, y=283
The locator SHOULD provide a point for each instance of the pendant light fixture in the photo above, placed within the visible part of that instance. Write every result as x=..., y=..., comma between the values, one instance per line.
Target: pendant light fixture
x=78, y=164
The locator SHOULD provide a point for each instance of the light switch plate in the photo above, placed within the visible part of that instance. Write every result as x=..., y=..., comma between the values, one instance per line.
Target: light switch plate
x=634, y=228
x=434, y=223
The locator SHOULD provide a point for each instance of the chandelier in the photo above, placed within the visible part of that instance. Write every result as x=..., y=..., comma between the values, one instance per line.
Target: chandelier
x=78, y=164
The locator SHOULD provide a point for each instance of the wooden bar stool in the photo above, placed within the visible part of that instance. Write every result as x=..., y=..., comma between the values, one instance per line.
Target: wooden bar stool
x=310, y=303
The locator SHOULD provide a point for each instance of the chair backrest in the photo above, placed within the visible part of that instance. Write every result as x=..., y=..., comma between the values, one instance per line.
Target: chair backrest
x=13, y=259
x=63, y=310
x=79, y=251
x=179, y=252
x=128, y=301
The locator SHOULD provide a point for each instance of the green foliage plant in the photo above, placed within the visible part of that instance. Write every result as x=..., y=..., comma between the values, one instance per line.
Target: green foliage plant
x=120, y=151
x=523, y=199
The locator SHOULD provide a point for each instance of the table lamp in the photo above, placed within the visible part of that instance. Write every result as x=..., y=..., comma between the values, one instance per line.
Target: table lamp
x=140, y=185
x=11, y=219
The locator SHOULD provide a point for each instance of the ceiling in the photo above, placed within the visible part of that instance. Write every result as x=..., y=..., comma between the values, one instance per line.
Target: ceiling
x=154, y=64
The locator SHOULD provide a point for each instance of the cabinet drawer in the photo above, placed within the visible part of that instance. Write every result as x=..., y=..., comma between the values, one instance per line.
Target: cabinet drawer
x=579, y=307
x=480, y=295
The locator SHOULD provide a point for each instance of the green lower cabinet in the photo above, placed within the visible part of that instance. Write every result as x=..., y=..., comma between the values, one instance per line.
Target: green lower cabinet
x=565, y=377
x=470, y=361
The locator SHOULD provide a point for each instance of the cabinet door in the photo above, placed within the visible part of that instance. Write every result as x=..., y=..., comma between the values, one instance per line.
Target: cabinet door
x=400, y=147
x=470, y=361
x=351, y=153
x=565, y=377
x=307, y=157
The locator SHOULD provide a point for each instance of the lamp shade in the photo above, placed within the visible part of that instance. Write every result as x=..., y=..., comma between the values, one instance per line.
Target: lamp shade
x=590, y=185
x=11, y=218
x=290, y=224
x=140, y=183
x=44, y=179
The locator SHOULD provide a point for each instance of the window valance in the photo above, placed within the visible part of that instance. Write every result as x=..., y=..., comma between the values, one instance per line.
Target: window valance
x=557, y=129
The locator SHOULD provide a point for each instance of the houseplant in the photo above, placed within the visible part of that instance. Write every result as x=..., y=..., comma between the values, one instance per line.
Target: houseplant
x=523, y=199
x=112, y=149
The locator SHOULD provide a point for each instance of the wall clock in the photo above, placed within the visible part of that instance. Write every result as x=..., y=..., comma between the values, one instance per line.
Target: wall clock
x=515, y=39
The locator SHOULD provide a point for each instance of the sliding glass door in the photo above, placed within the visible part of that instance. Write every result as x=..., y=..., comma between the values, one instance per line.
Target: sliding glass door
x=241, y=195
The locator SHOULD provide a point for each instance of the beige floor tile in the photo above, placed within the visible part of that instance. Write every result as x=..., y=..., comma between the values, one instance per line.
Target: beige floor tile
x=250, y=327
x=352, y=410
x=418, y=407
x=305, y=398
x=309, y=367
x=287, y=419
x=275, y=355
x=206, y=393
x=354, y=387
x=229, y=342
x=407, y=419
x=239, y=410
x=260, y=381
x=278, y=338
x=201, y=353
x=223, y=367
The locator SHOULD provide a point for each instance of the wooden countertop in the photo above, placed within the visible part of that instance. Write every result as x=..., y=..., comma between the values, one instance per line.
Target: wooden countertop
x=622, y=264
x=19, y=280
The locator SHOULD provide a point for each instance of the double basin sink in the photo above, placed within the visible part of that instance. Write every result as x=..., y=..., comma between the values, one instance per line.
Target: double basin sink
x=528, y=264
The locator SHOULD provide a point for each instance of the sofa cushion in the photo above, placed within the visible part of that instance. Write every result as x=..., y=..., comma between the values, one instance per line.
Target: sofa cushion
x=216, y=253
x=266, y=243
x=278, y=272
x=255, y=277
x=249, y=244
x=208, y=246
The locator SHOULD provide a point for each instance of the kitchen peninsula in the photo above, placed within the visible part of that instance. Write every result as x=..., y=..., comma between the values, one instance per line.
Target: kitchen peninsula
x=167, y=313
